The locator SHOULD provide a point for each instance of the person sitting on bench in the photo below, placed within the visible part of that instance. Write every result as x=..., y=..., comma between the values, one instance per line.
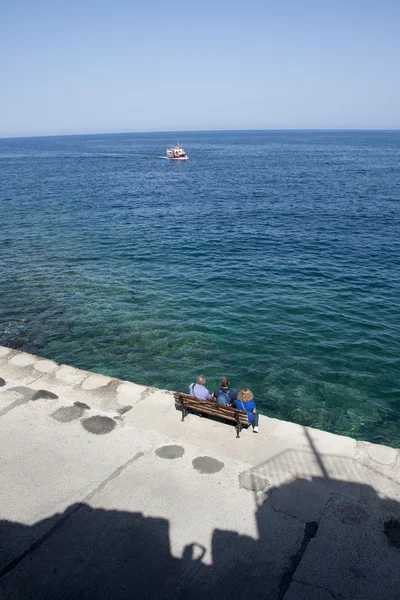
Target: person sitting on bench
x=199, y=390
x=223, y=394
x=245, y=402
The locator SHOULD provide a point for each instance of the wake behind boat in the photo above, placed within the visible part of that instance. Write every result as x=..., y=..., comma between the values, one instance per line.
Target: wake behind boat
x=176, y=153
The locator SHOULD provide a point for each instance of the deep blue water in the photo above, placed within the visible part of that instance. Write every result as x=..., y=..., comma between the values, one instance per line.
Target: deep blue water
x=270, y=257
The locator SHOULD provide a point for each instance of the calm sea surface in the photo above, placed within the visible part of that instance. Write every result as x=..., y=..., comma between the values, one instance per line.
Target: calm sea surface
x=270, y=257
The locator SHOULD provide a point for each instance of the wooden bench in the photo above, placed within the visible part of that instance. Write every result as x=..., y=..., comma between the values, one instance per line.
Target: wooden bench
x=210, y=407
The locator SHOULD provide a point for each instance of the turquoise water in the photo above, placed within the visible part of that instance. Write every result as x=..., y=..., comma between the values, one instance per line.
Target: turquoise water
x=270, y=257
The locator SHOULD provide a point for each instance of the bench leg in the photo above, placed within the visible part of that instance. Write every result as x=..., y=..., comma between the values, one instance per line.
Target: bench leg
x=184, y=413
x=238, y=426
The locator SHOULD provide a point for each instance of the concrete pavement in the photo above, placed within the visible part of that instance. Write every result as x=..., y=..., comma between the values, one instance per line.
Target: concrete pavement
x=106, y=494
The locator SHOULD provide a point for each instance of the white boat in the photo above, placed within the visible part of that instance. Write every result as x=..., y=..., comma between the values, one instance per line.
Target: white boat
x=176, y=153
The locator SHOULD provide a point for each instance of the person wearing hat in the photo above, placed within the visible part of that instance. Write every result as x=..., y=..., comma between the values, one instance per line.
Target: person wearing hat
x=199, y=390
x=245, y=402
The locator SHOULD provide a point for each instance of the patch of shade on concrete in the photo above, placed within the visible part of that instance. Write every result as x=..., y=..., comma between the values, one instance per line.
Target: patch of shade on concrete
x=252, y=482
x=170, y=452
x=392, y=531
x=25, y=392
x=207, y=465
x=65, y=414
x=98, y=425
x=44, y=395
x=82, y=405
x=124, y=409
x=22, y=393
x=2, y=382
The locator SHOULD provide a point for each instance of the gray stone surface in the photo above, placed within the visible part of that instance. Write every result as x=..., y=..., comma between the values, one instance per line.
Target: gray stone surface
x=45, y=366
x=170, y=452
x=156, y=508
x=99, y=425
x=207, y=465
x=95, y=381
x=65, y=414
x=351, y=557
x=300, y=591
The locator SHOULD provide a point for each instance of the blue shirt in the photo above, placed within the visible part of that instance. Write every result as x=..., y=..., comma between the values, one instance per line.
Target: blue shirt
x=248, y=407
x=232, y=395
x=199, y=391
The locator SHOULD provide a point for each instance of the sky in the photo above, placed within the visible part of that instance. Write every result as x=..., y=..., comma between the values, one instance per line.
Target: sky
x=123, y=66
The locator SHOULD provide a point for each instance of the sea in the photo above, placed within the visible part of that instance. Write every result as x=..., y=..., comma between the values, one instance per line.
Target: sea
x=270, y=257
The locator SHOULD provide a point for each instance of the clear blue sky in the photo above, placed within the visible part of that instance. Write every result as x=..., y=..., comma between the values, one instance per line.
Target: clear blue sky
x=101, y=66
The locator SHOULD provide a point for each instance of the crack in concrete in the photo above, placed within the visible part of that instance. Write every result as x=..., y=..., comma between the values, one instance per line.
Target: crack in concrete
x=300, y=553
x=43, y=375
x=282, y=512
x=113, y=475
x=67, y=515
x=35, y=380
x=285, y=582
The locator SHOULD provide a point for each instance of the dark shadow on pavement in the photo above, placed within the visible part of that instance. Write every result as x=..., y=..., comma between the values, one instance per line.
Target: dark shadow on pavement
x=318, y=539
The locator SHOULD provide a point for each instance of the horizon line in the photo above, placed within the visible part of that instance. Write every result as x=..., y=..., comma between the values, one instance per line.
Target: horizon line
x=305, y=130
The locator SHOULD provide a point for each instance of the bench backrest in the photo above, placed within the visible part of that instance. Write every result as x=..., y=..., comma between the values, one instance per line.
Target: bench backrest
x=210, y=407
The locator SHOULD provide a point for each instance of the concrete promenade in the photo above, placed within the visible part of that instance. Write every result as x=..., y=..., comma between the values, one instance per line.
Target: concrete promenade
x=105, y=493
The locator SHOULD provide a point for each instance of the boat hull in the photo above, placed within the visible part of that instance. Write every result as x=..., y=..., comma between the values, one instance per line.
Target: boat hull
x=175, y=157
